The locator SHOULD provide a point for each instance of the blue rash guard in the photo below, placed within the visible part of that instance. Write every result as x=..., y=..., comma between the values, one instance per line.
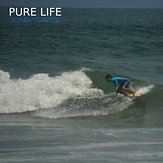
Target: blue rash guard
x=117, y=81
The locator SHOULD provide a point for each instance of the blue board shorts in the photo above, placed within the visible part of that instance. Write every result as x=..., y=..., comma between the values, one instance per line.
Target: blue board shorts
x=126, y=83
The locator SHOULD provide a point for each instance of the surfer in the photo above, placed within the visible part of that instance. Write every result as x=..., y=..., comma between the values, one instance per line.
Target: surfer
x=121, y=84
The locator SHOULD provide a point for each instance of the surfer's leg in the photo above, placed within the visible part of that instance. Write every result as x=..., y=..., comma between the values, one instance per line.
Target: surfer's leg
x=126, y=85
x=120, y=90
x=126, y=89
x=126, y=94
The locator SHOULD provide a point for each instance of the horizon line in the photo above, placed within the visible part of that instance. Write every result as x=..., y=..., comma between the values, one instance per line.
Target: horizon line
x=91, y=7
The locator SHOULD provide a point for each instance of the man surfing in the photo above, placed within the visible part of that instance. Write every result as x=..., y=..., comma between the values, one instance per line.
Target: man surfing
x=121, y=84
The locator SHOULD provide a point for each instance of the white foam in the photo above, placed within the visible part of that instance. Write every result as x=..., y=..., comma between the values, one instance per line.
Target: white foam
x=42, y=91
x=109, y=104
x=145, y=89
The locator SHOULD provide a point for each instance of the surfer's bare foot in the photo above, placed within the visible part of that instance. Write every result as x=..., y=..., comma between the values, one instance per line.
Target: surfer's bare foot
x=134, y=94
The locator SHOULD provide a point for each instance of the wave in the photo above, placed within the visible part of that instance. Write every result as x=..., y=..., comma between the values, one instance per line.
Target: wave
x=71, y=94
x=42, y=91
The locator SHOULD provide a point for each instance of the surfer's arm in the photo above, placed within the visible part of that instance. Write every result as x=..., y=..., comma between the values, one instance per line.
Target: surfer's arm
x=116, y=84
x=116, y=91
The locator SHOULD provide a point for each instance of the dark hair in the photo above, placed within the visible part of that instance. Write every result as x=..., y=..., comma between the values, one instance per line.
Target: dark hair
x=108, y=76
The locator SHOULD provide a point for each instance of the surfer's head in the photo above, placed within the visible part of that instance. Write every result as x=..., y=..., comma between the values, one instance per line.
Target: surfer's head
x=108, y=76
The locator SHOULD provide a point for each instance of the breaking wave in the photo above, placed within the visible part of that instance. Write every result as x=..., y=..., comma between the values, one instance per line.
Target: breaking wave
x=71, y=94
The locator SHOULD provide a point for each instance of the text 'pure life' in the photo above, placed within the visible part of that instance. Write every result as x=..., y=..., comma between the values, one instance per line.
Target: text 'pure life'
x=25, y=11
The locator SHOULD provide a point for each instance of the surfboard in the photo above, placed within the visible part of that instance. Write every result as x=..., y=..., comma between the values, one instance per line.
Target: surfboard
x=132, y=96
x=129, y=94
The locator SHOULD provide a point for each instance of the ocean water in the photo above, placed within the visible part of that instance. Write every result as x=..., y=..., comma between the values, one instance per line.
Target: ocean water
x=55, y=105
